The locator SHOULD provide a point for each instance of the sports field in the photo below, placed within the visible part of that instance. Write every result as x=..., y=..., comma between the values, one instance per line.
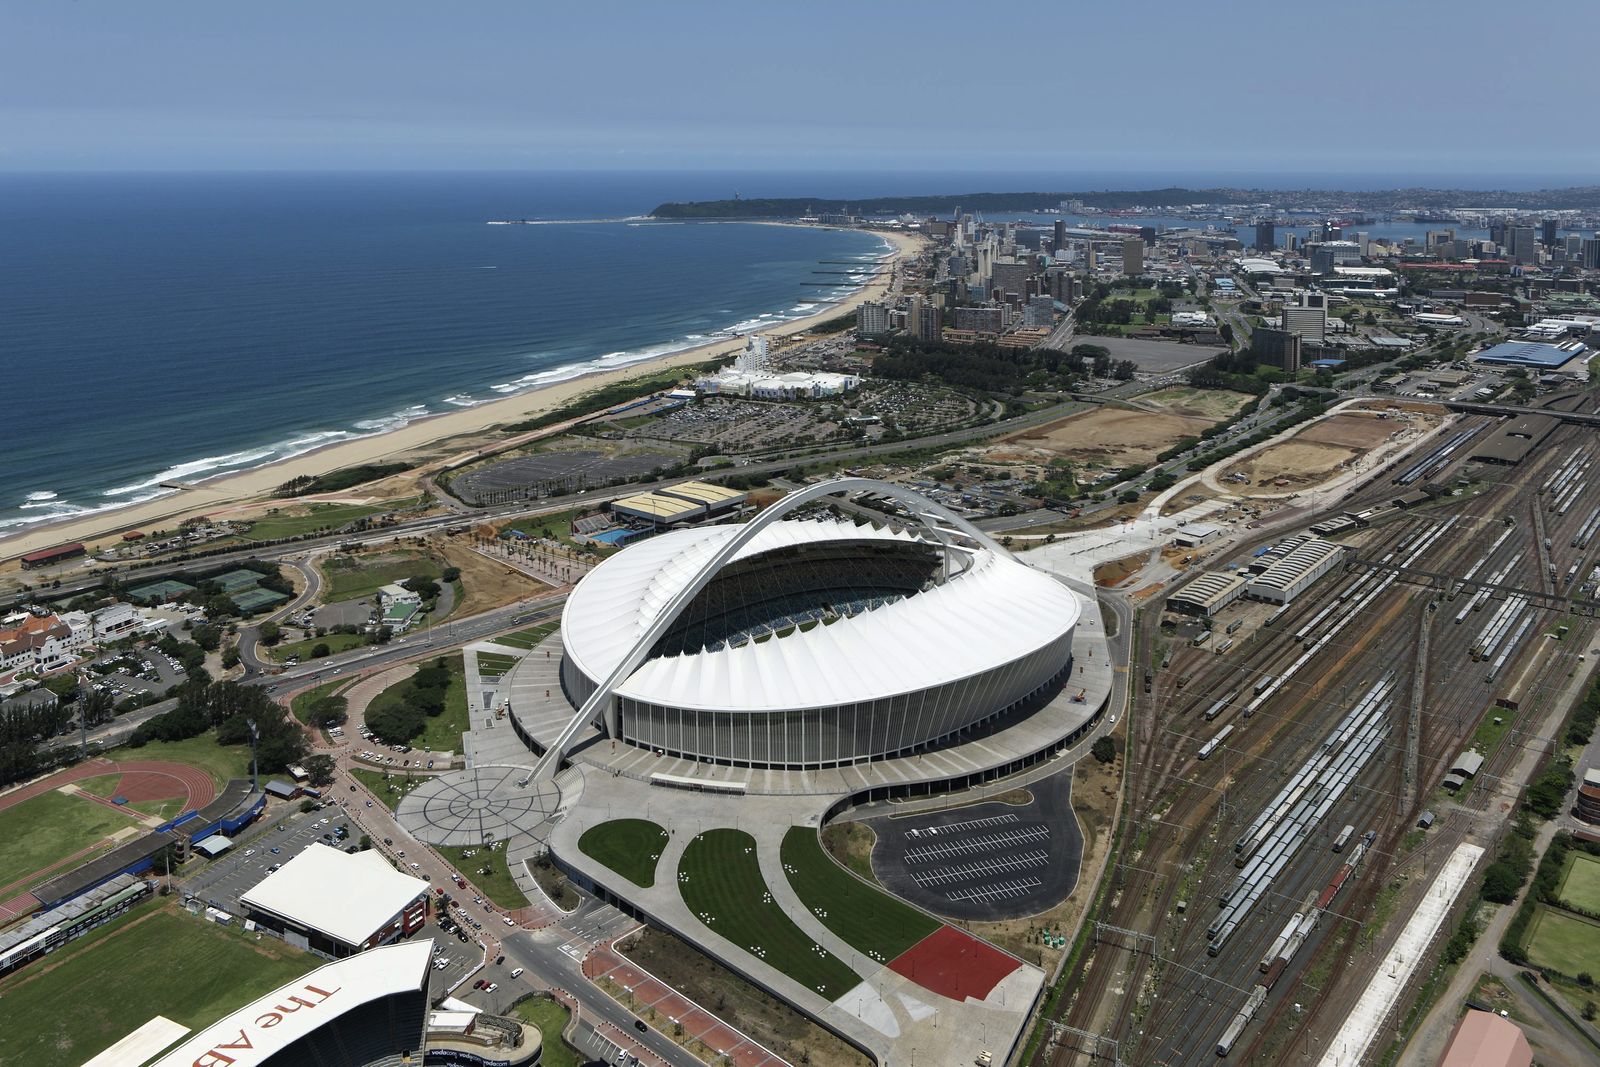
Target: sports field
x=1569, y=943
x=71, y=1005
x=1581, y=885
x=48, y=828
x=720, y=879
x=631, y=847
x=871, y=921
x=222, y=762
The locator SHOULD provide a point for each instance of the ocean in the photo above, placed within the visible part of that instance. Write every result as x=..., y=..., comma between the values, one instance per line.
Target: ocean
x=177, y=327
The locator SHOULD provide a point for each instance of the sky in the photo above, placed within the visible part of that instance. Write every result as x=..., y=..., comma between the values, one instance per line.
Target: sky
x=1480, y=92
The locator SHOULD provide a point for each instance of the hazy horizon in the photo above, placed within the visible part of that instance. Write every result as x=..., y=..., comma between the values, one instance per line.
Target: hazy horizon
x=1430, y=93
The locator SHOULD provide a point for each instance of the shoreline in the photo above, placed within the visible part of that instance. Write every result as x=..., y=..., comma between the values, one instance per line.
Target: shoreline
x=234, y=491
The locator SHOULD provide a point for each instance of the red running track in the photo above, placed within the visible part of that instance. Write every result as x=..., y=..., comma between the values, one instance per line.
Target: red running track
x=954, y=964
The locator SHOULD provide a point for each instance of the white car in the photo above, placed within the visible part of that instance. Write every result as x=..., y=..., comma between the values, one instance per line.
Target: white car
x=416, y=866
x=508, y=922
x=249, y=852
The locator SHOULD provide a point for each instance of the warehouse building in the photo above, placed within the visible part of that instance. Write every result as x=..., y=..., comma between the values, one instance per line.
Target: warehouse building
x=1196, y=534
x=1483, y=1039
x=682, y=503
x=1296, y=571
x=338, y=903
x=1207, y=594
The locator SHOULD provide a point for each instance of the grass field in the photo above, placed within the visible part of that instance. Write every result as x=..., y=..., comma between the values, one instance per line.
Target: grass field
x=100, y=787
x=525, y=638
x=50, y=827
x=300, y=706
x=551, y=1018
x=336, y=643
x=349, y=577
x=631, y=847
x=441, y=733
x=497, y=885
x=495, y=664
x=1569, y=943
x=222, y=762
x=317, y=517
x=388, y=792
x=871, y=921
x=72, y=1005
x=721, y=883
x=1580, y=886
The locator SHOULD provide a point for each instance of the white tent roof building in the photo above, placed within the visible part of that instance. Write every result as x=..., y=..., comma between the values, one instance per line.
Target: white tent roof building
x=351, y=900
x=820, y=642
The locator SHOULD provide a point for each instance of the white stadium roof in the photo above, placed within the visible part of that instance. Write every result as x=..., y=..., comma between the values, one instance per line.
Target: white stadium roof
x=258, y=1031
x=348, y=896
x=996, y=611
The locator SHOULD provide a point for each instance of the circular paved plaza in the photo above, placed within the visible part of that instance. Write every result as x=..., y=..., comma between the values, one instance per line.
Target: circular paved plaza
x=478, y=805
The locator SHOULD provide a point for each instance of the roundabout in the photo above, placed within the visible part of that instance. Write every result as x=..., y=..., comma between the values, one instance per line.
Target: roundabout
x=478, y=805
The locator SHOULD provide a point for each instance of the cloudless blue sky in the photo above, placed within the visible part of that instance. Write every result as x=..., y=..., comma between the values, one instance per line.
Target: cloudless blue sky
x=1468, y=88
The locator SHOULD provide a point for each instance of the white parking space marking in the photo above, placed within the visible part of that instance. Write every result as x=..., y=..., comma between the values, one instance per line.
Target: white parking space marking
x=984, y=868
x=968, y=824
x=996, y=891
x=974, y=845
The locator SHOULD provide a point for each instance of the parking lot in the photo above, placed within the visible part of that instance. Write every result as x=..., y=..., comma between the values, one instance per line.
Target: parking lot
x=986, y=861
x=258, y=850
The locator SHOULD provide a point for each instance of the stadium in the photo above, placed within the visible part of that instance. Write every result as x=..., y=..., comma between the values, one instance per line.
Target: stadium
x=808, y=638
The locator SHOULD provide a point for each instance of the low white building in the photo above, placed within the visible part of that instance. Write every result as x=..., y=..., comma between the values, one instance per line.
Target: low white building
x=116, y=620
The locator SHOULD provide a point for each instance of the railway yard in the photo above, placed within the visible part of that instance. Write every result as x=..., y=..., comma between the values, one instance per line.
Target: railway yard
x=1282, y=763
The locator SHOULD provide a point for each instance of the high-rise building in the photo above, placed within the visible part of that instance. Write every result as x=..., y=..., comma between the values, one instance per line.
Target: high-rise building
x=1278, y=348
x=1040, y=311
x=1011, y=278
x=1521, y=245
x=1266, y=235
x=1060, y=235
x=753, y=360
x=872, y=319
x=1547, y=232
x=1309, y=319
x=1133, y=257
x=989, y=320
x=1591, y=253
x=930, y=320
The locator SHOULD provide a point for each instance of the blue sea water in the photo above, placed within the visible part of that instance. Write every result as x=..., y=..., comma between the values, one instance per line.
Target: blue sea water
x=176, y=327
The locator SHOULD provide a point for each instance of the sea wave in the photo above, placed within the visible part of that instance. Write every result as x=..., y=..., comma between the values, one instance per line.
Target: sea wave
x=43, y=494
x=185, y=471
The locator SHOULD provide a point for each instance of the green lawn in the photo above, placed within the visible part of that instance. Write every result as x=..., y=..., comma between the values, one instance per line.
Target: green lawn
x=525, y=638
x=551, y=1018
x=320, y=517
x=221, y=761
x=100, y=787
x=497, y=885
x=336, y=643
x=441, y=733
x=1580, y=886
x=349, y=577
x=631, y=847
x=391, y=791
x=495, y=664
x=1488, y=734
x=94, y=991
x=50, y=827
x=871, y=921
x=300, y=706
x=1567, y=942
x=721, y=883
x=558, y=526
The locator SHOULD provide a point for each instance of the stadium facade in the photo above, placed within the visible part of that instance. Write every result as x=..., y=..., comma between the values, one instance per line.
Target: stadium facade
x=802, y=640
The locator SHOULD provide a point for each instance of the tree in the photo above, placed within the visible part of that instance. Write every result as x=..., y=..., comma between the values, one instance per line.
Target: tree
x=270, y=633
x=426, y=588
x=1104, y=749
x=396, y=722
x=309, y=805
x=328, y=711
x=63, y=685
x=1500, y=883
x=320, y=768
x=230, y=657
x=208, y=636
x=320, y=649
x=450, y=574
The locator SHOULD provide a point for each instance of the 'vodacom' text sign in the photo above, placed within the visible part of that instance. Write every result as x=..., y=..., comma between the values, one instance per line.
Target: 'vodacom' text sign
x=226, y=1052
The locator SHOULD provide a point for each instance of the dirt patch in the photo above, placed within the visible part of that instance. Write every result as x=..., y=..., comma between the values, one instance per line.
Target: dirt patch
x=1115, y=573
x=850, y=845
x=1105, y=437
x=1352, y=430
x=764, y=1018
x=1287, y=466
x=1214, y=404
x=488, y=584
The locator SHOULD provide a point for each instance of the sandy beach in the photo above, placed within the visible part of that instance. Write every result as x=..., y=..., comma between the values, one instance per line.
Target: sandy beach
x=228, y=492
